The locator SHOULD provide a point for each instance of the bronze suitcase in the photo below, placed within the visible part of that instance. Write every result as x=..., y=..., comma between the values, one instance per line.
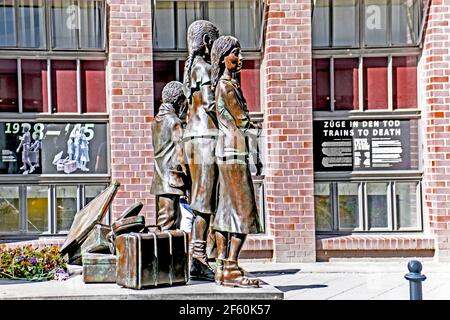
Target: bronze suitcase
x=99, y=268
x=152, y=259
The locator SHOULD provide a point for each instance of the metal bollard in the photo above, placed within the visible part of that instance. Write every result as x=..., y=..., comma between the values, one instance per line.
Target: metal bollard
x=415, y=280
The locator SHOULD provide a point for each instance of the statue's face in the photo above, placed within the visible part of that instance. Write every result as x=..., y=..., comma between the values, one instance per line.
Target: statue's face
x=233, y=61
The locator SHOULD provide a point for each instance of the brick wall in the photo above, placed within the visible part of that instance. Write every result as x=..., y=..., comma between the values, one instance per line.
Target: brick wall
x=288, y=112
x=436, y=121
x=131, y=103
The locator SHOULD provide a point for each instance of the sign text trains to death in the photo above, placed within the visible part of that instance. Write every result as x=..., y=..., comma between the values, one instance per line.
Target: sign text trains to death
x=347, y=145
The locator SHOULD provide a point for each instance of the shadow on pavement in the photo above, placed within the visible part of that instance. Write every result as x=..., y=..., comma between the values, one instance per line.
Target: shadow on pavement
x=297, y=287
x=272, y=273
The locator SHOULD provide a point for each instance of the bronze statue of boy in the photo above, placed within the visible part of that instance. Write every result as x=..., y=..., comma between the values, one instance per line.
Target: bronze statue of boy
x=169, y=178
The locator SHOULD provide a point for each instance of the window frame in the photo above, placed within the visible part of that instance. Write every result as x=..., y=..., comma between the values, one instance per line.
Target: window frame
x=360, y=25
x=361, y=56
x=363, y=213
x=48, y=32
x=204, y=15
x=78, y=60
x=51, y=212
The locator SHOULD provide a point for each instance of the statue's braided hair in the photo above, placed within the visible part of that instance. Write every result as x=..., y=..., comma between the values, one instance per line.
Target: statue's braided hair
x=221, y=48
x=196, y=31
x=172, y=91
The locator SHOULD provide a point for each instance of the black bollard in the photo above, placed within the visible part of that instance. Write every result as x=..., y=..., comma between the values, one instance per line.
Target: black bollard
x=415, y=280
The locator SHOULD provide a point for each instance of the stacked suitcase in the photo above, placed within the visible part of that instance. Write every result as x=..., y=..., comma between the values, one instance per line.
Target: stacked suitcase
x=128, y=253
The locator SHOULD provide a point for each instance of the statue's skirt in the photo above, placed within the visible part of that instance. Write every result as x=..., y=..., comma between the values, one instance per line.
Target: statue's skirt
x=203, y=172
x=237, y=211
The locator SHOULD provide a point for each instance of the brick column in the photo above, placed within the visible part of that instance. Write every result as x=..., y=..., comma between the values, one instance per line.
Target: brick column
x=131, y=102
x=436, y=121
x=288, y=111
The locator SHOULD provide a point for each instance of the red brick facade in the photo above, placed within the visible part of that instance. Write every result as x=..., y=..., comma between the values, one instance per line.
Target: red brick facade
x=435, y=84
x=288, y=110
x=131, y=102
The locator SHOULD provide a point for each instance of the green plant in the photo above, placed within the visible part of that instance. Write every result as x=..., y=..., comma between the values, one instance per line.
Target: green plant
x=32, y=264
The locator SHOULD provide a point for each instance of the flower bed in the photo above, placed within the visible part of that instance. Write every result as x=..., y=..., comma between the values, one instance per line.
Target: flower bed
x=27, y=263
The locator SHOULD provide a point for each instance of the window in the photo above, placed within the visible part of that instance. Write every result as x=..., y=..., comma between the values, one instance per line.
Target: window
x=45, y=209
x=8, y=86
x=345, y=26
x=242, y=18
x=92, y=191
x=346, y=84
x=322, y=207
x=74, y=24
x=93, y=84
x=7, y=28
x=367, y=206
x=382, y=23
x=31, y=17
x=404, y=80
x=66, y=206
x=348, y=200
x=9, y=209
x=64, y=87
x=34, y=86
x=321, y=84
x=342, y=92
x=376, y=83
x=77, y=24
x=37, y=208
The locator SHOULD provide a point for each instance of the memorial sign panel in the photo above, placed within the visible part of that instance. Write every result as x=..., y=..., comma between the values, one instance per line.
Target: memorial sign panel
x=53, y=148
x=352, y=145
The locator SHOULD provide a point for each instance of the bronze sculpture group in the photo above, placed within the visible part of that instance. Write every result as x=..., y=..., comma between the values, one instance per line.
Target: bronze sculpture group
x=214, y=145
x=201, y=152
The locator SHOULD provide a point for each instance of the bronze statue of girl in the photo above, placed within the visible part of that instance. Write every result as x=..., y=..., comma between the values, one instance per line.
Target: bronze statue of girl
x=200, y=141
x=236, y=214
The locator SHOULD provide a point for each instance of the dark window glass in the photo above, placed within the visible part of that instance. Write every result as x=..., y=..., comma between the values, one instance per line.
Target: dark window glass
x=164, y=25
x=37, y=207
x=31, y=26
x=375, y=31
x=405, y=21
x=346, y=84
x=91, y=24
x=321, y=84
x=344, y=23
x=250, y=84
x=348, y=205
x=66, y=206
x=64, y=86
x=377, y=205
x=93, y=86
x=8, y=86
x=187, y=12
x=247, y=22
x=404, y=82
x=64, y=24
x=406, y=203
x=163, y=72
x=34, y=86
x=375, y=83
x=7, y=24
x=322, y=207
x=9, y=209
x=219, y=14
x=91, y=192
x=321, y=24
